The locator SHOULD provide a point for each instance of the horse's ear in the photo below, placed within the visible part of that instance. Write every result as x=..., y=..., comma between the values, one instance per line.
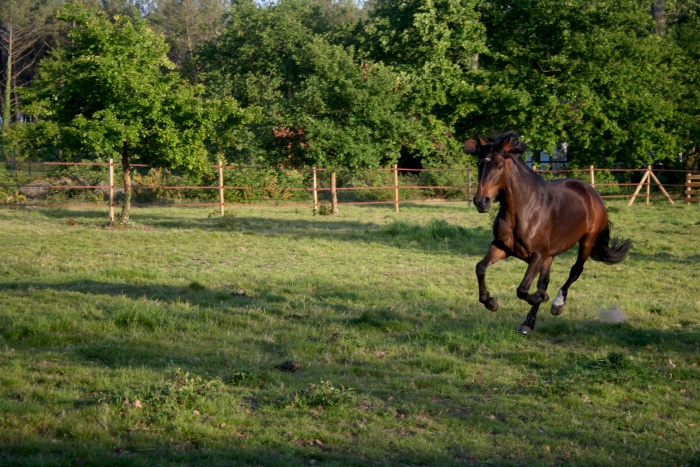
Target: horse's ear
x=481, y=145
x=512, y=145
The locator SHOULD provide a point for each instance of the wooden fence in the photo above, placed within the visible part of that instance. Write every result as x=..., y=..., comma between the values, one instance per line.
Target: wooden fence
x=691, y=185
x=692, y=188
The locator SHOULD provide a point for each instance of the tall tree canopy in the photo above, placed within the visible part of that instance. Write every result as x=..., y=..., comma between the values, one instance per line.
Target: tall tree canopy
x=186, y=24
x=436, y=45
x=25, y=34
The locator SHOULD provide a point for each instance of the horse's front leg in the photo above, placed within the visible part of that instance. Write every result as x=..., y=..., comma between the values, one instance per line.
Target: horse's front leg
x=494, y=255
x=536, y=298
x=541, y=266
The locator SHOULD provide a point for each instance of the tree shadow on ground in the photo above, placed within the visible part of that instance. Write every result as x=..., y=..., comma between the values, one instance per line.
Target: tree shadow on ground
x=398, y=326
x=432, y=236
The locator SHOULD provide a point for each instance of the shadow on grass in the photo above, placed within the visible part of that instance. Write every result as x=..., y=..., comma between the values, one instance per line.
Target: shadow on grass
x=230, y=304
x=683, y=339
x=433, y=236
x=153, y=450
x=664, y=257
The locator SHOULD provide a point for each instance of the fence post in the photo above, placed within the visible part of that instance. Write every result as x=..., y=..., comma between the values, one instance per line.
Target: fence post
x=469, y=184
x=592, y=177
x=334, y=194
x=687, y=189
x=648, y=186
x=661, y=187
x=639, y=188
x=646, y=179
x=111, y=190
x=396, y=188
x=315, y=190
x=221, y=188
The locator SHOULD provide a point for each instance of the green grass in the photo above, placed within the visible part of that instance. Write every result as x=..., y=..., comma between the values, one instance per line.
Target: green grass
x=273, y=337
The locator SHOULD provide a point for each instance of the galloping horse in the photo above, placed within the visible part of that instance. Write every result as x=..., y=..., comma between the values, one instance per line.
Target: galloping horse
x=538, y=220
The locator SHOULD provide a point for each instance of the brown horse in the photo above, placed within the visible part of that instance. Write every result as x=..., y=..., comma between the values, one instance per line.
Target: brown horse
x=537, y=221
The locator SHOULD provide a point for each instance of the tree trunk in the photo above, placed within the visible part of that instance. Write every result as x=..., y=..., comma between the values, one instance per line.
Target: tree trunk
x=126, y=166
x=658, y=12
x=6, y=110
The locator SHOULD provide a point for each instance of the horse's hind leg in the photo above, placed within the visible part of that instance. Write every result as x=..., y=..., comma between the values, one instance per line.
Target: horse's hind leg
x=494, y=255
x=559, y=301
x=536, y=298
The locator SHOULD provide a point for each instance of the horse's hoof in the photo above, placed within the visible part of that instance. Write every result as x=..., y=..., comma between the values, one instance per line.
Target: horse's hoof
x=557, y=310
x=524, y=330
x=491, y=304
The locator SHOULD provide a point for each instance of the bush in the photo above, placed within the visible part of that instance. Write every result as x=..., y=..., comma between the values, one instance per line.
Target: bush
x=6, y=185
x=266, y=184
x=605, y=182
x=452, y=177
x=450, y=170
x=376, y=185
x=150, y=187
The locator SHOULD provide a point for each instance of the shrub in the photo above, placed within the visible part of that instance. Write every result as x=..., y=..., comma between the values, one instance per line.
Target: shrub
x=154, y=182
x=376, y=185
x=266, y=184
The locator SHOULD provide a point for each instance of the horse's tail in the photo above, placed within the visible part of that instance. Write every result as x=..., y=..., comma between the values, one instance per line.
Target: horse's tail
x=610, y=250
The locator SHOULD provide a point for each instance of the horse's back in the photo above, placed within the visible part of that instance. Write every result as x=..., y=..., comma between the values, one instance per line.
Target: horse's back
x=576, y=192
x=578, y=208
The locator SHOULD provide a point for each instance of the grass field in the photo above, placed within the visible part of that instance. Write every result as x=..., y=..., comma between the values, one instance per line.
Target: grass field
x=272, y=337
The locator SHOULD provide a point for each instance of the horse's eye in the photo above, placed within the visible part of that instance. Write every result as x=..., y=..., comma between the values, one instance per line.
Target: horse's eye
x=500, y=166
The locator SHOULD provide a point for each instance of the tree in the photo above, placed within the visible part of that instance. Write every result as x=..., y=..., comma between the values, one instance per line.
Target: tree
x=112, y=93
x=187, y=24
x=685, y=33
x=436, y=45
x=24, y=33
x=343, y=113
x=594, y=74
x=320, y=104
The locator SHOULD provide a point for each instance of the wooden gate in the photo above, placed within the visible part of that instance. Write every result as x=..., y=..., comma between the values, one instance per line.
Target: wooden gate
x=692, y=188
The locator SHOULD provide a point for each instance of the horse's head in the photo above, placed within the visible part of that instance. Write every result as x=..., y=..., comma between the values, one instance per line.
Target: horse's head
x=495, y=156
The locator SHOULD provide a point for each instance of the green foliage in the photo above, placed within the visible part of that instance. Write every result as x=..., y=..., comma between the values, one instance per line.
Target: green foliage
x=606, y=183
x=436, y=46
x=111, y=92
x=6, y=185
x=260, y=184
x=321, y=104
x=150, y=187
x=594, y=74
x=340, y=84
x=375, y=185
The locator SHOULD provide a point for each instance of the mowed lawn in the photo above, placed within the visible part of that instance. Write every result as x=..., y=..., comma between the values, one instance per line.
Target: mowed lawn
x=274, y=337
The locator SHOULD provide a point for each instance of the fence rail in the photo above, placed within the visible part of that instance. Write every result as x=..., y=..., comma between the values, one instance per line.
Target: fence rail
x=688, y=190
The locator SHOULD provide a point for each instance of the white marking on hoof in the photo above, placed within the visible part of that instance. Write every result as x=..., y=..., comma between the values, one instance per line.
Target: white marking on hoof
x=559, y=300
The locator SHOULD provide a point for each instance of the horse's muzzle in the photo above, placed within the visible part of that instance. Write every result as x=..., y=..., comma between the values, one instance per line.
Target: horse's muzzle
x=482, y=203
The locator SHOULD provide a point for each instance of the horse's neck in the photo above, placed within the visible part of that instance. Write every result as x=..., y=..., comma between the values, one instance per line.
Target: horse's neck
x=522, y=186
